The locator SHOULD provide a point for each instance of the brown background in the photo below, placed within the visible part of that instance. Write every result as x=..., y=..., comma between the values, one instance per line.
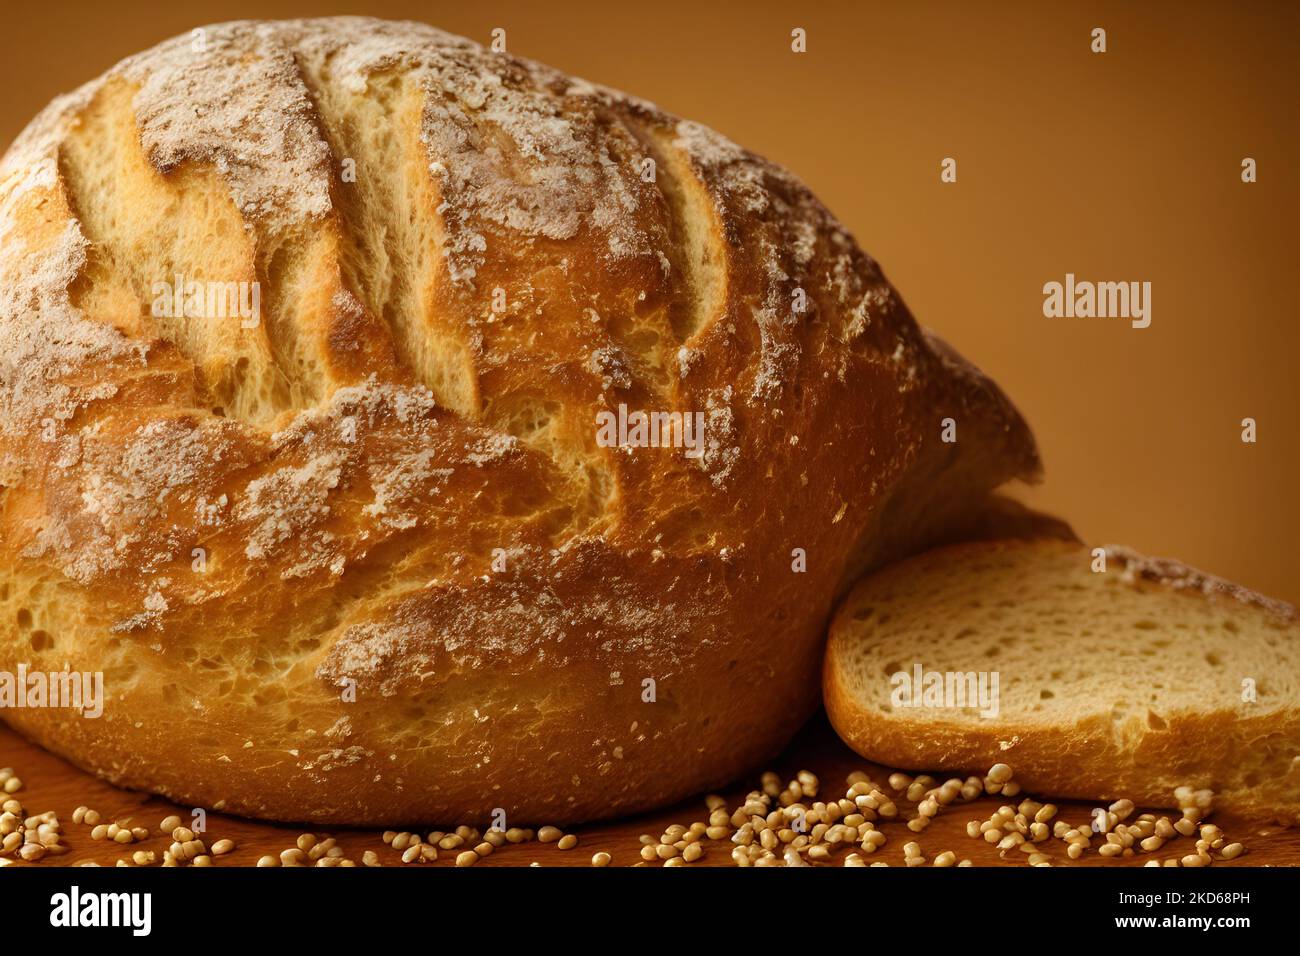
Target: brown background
x=1122, y=166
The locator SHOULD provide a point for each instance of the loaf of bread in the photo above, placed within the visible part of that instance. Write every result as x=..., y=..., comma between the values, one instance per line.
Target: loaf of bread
x=1128, y=682
x=311, y=338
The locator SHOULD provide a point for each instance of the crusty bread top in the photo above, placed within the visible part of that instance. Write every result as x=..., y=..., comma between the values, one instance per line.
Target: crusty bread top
x=393, y=476
x=474, y=172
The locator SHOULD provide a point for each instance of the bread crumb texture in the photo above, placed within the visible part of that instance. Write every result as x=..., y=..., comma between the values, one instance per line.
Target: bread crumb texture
x=1127, y=682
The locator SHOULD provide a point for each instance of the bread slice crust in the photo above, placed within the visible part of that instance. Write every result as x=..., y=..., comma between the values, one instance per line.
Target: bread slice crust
x=1082, y=737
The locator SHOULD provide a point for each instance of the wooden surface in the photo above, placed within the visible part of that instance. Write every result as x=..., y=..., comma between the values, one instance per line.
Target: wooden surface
x=52, y=784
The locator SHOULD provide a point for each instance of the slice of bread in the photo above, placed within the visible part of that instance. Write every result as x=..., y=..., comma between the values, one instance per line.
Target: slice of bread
x=1123, y=683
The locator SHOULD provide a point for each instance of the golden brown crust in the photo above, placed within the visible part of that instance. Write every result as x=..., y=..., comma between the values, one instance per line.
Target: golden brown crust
x=393, y=479
x=1177, y=576
x=1003, y=518
x=1081, y=761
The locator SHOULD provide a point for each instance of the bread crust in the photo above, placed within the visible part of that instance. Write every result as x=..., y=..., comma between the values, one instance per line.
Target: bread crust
x=1085, y=759
x=390, y=488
